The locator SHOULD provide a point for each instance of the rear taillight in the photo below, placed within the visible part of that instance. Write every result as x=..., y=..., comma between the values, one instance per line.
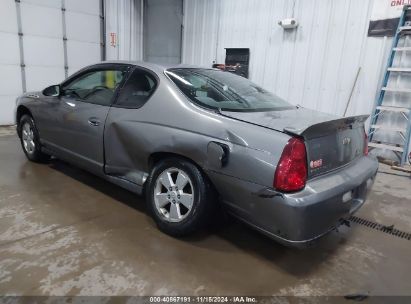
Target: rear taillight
x=291, y=172
x=365, y=143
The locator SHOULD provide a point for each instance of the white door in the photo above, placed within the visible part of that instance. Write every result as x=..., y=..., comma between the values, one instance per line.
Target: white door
x=10, y=71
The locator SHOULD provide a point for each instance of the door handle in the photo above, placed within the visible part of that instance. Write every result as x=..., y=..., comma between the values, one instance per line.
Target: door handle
x=93, y=122
x=71, y=104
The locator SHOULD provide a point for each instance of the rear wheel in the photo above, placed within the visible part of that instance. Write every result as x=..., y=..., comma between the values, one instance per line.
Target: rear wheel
x=179, y=197
x=30, y=140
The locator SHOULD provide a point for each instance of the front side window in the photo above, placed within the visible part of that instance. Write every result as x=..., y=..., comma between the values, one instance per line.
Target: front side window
x=95, y=87
x=137, y=90
x=225, y=91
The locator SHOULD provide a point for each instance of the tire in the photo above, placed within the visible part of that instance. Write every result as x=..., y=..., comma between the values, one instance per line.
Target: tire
x=160, y=203
x=30, y=140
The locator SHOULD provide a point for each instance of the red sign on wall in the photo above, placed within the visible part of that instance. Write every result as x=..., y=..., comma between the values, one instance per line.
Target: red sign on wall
x=400, y=2
x=113, y=39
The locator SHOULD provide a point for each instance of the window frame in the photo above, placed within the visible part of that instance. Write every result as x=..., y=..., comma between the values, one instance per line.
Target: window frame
x=131, y=72
x=97, y=68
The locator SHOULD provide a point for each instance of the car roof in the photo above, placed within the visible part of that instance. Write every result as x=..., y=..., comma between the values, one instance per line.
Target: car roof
x=156, y=67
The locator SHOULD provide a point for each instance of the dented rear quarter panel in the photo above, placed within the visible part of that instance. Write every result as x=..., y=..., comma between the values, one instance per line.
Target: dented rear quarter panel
x=169, y=123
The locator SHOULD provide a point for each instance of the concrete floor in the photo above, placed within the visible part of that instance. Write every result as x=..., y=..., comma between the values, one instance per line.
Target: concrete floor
x=65, y=232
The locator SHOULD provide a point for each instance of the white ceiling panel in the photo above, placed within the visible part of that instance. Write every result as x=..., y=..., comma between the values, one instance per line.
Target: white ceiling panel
x=10, y=52
x=83, y=27
x=7, y=105
x=43, y=51
x=47, y=3
x=88, y=7
x=13, y=75
x=41, y=21
x=39, y=78
x=8, y=17
x=81, y=54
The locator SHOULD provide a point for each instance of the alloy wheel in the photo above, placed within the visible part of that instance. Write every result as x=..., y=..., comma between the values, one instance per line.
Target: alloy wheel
x=173, y=194
x=28, y=138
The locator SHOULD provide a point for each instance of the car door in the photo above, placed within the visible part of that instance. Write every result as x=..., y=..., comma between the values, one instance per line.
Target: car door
x=123, y=156
x=80, y=114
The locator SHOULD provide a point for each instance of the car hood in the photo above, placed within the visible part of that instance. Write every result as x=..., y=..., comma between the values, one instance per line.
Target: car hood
x=298, y=121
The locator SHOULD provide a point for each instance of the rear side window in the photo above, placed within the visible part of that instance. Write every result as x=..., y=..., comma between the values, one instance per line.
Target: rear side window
x=137, y=90
x=225, y=91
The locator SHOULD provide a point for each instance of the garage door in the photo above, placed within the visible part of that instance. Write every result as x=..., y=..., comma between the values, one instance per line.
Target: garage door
x=10, y=76
x=47, y=57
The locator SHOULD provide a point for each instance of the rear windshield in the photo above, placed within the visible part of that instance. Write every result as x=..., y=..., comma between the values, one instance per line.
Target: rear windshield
x=225, y=91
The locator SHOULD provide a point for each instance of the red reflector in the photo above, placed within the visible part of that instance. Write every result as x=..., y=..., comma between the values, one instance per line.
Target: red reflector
x=365, y=143
x=291, y=172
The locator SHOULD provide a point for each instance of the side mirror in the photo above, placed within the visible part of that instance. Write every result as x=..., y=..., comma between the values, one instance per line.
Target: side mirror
x=53, y=90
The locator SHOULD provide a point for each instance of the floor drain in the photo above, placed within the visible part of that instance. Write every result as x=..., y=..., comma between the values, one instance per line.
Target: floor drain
x=379, y=227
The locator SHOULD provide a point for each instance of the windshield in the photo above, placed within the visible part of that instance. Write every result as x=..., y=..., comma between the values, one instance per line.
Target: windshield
x=225, y=91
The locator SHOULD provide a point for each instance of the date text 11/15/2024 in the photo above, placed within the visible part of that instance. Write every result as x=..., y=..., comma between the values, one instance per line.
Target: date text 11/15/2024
x=202, y=299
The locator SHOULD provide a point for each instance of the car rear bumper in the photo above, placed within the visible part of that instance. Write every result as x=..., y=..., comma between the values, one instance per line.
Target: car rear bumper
x=299, y=218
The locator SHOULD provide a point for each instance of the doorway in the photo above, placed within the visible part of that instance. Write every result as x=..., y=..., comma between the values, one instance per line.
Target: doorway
x=163, y=24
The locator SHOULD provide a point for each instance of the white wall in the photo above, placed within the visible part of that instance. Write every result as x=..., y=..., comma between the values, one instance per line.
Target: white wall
x=314, y=66
x=42, y=41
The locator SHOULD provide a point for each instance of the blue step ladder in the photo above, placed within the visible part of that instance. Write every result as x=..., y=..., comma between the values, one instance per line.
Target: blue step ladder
x=381, y=107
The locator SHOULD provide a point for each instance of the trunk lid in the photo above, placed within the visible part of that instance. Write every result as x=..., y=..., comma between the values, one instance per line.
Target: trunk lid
x=331, y=142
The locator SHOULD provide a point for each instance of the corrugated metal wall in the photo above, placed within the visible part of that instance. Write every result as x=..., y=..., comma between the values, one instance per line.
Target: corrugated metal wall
x=124, y=19
x=314, y=66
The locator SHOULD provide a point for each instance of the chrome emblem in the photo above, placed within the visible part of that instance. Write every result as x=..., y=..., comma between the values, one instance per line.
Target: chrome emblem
x=346, y=141
x=316, y=163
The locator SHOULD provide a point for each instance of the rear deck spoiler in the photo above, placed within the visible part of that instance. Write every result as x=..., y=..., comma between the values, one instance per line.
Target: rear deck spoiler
x=327, y=127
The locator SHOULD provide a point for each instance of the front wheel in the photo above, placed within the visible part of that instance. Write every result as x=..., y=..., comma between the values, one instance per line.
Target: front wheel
x=30, y=140
x=180, y=198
